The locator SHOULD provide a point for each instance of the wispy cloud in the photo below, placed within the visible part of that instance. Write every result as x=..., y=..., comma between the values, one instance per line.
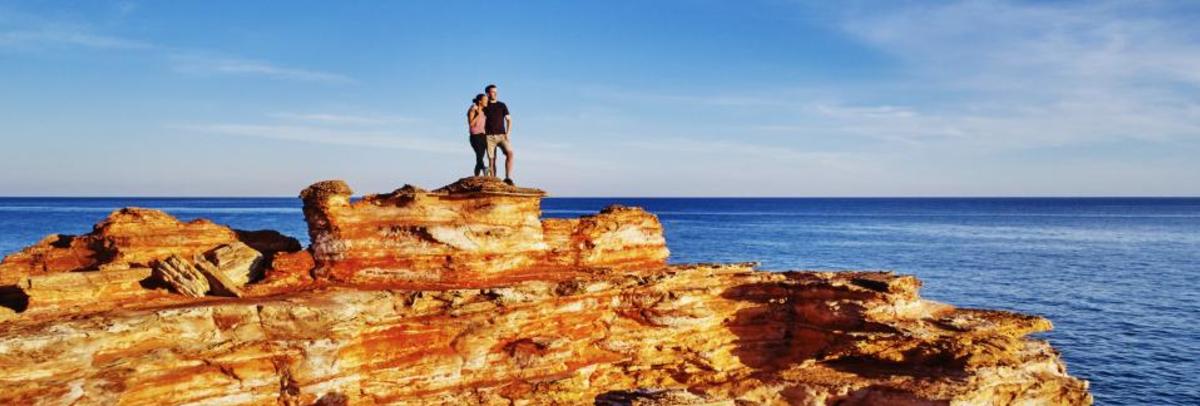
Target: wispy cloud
x=1029, y=75
x=33, y=33
x=698, y=99
x=65, y=35
x=335, y=118
x=979, y=75
x=324, y=135
x=1071, y=41
x=737, y=151
x=199, y=64
x=388, y=131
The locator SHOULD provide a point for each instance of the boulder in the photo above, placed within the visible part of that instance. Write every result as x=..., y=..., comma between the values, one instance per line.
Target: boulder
x=182, y=276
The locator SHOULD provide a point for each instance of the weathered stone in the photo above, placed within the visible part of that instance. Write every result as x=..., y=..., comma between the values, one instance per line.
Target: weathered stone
x=477, y=231
x=224, y=271
x=219, y=283
x=462, y=296
x=82, y=289
x=182, y=276
x=237, y=262
x=288, y=272
x=723, y=333
x=619, y=237
x=130, y=238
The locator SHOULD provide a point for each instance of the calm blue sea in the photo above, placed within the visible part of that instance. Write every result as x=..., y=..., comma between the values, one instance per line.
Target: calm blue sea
x=1118, y=276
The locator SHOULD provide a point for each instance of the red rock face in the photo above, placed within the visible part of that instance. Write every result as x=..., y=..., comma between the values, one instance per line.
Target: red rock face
x=131, y=237
x=110, y=266
x=618, y=237
x=475, y=232
x=463, y=296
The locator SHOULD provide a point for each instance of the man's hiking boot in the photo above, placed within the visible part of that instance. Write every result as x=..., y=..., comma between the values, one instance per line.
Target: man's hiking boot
x=508, y=181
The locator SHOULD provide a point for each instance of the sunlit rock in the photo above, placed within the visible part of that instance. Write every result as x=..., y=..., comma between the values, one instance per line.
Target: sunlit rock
x=463, y=295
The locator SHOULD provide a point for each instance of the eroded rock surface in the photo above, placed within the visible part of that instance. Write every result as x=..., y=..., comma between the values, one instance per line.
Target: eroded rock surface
x=463, y=296
x=93, y=272
x=182, y=276
x=132, y=237
x=475, y=232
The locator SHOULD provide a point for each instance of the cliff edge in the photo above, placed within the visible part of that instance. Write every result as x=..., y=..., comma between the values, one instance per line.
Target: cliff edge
x=463, y=295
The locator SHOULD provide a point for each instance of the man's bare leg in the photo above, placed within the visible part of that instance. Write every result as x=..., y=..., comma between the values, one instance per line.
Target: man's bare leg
x=508, y=161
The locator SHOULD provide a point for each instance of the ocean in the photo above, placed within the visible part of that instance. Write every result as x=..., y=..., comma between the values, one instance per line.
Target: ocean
x=1117, y=276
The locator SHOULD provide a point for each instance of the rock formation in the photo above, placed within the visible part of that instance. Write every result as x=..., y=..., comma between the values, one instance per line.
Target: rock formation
x=462, y=295
x=114, y=265
x=471, y=233
x=132, y=237
x=223, y=271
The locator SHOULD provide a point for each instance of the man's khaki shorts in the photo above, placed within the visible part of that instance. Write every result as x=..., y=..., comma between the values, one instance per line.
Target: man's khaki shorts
x=494, y=140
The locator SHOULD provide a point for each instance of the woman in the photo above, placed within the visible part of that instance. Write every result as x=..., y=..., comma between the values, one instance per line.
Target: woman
x=478, y=138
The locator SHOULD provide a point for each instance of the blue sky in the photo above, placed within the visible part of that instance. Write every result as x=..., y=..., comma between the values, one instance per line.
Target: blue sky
x=615, y=98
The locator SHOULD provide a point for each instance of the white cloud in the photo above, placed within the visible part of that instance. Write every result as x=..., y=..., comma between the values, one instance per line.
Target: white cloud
x=199, y=64
x=671, y=148
x=978, y=97
x=366, y=130
x=347, y=119
x=325, y=135
x=1032, y=75
x=1078, y=42
x=65, y=35
x=29, y=32
x=857, y=112
x=703, y=99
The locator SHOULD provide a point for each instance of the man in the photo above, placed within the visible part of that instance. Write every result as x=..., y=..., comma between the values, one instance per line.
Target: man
x=498, y=126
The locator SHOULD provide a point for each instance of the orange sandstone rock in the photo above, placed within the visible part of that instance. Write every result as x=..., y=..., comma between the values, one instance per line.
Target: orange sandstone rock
x=722, y=333
x=463, y=296
x=91, y=272
x=475, y=232
x=67, y=288
x=619, y=237
x=288, y=272
x=132, y=237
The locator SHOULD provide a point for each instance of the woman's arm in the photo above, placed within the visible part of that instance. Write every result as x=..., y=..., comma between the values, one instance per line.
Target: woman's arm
x=471, y=116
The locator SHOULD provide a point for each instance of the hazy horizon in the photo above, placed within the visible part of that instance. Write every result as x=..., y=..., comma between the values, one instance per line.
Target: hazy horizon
x=614, y=99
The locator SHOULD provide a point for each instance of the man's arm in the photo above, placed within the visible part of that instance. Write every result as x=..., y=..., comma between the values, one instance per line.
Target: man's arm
x=507, y=124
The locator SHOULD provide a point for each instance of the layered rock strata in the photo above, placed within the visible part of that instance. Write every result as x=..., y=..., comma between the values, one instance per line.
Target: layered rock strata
x=132, y=237
x=475, y=232
x=581, y=311
x=223, y=271
x=129, y=259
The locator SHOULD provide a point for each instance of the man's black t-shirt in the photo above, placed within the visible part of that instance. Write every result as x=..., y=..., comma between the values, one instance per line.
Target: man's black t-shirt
x=495, y=112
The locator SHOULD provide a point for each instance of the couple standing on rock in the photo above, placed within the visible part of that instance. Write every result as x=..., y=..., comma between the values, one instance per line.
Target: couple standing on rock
x=489, y=125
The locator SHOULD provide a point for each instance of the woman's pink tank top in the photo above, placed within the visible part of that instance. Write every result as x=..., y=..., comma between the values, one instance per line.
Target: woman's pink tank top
x=477, y=123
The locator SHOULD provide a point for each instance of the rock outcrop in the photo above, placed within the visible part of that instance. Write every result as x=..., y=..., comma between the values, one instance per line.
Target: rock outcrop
x=129, y=254
x=223, y=271
x=133, y=237
x=462, y=295
x=474, y=232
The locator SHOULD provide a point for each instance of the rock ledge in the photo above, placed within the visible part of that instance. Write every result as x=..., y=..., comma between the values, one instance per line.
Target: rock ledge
x=463, y=295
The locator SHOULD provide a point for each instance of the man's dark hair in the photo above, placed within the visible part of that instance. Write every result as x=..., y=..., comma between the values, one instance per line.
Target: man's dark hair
x=489, y=87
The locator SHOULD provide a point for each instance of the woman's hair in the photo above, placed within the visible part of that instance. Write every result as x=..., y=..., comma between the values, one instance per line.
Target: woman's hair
x=477, y=97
